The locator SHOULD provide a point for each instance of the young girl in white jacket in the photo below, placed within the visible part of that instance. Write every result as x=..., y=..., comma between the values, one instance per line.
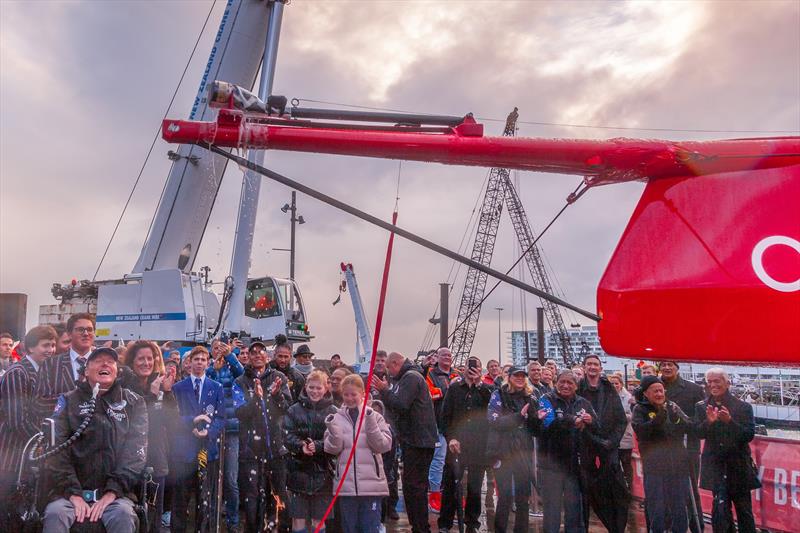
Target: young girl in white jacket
x=365, y=482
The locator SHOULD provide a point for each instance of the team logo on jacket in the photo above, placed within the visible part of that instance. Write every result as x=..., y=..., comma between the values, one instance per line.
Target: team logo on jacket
x=84, y=408
x=119, y=406
x=115, y=410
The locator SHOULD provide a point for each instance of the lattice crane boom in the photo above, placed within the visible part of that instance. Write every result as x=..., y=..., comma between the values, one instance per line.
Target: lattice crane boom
x=533, y=259
x=482, y=250
x=499, y=191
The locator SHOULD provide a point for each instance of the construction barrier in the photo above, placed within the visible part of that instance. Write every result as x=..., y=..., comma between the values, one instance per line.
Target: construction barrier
x=777, y=504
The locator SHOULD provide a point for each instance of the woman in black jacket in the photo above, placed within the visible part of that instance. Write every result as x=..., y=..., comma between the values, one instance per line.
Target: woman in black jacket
x=660, y=426
x=510, y=447
x=144, y=374
x=565, y=423
x=310, y=468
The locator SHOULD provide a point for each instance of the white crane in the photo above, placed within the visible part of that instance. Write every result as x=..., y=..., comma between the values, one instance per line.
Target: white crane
x=162, y=298
x=363, y=331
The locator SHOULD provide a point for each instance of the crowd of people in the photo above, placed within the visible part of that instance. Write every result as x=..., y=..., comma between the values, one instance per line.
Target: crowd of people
x=261, y=437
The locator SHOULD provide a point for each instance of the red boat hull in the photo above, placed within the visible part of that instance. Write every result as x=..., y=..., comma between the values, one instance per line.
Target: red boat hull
x=708, y=269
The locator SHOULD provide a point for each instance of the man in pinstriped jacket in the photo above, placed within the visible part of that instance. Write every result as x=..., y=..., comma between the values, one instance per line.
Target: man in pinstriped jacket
x=17, y=420
x=60, y=373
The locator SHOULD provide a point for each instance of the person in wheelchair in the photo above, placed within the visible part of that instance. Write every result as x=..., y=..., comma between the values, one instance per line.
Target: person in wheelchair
x=93, y=478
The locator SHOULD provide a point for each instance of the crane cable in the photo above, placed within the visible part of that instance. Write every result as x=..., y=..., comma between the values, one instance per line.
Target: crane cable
x=560, y=124
x=153, y=144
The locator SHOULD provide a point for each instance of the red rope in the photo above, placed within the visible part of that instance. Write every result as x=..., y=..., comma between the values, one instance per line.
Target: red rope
x=375, y=339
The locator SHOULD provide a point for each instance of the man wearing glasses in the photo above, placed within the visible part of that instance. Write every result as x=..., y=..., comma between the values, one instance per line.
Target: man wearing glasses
x=61, y=373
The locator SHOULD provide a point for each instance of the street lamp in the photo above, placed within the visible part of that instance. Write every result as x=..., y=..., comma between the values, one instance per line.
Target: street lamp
x=295, y=219
x=499, y=337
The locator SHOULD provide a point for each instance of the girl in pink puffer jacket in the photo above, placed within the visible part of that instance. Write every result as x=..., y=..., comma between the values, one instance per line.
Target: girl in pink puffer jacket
x=365, y=482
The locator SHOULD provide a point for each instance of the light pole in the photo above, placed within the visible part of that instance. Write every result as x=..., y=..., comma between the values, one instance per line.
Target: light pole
x=295, y=220
x=499, y=337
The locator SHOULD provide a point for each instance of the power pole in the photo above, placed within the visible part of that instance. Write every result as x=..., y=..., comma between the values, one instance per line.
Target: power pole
x=295, y=219
x=291, y=243
x=540, y=334
x=499, y=337
x=444, y=317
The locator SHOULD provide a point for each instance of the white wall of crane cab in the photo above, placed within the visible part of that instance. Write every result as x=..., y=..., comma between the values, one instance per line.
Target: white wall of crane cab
x=159, y=305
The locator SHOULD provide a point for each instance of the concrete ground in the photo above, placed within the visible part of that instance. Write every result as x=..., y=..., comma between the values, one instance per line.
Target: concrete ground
x=636, y=523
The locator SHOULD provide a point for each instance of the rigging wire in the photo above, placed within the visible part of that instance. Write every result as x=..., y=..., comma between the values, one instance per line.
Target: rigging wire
x=520, y=258
x=153, y=144
x=522, y=270
x=397, y=193
x=472, y=224
x=573, y=319
x=559, y=124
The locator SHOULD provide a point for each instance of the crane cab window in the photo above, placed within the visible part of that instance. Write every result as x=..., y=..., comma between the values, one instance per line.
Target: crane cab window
x=291, y=296
x=261, y=299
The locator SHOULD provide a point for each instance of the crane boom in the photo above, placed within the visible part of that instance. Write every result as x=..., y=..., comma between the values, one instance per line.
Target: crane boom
x=363, y=332
x=469, y=309
x=601, y=161
x=196, y=175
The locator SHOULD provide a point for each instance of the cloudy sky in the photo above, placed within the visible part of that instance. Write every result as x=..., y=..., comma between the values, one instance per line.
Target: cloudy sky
x=84, y=85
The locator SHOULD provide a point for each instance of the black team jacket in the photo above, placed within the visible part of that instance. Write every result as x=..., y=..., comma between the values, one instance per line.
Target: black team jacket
x=111, y=454
x=409, y=402
x=464, y=419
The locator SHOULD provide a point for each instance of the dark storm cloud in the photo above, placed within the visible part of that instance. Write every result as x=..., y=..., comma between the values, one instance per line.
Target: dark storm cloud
x=679, y=65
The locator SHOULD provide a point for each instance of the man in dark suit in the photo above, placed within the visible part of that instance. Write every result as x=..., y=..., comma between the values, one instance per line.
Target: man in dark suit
x=201, y=403
x=59, y=374
x=16, y=403
x=726, y=464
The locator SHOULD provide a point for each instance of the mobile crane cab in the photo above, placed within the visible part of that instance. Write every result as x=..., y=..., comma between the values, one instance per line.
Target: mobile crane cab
x=273, y=306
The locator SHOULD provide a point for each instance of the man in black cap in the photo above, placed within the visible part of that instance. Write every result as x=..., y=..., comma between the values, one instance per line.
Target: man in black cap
x=686, y=395
x=261, y=399
x=93, y=477
x=302, y=360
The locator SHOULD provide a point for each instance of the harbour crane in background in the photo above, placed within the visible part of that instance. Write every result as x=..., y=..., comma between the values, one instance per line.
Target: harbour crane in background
x=363, y=331
x=499, y=191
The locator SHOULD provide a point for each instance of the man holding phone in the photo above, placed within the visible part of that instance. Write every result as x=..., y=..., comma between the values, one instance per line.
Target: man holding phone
x=465, y=427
